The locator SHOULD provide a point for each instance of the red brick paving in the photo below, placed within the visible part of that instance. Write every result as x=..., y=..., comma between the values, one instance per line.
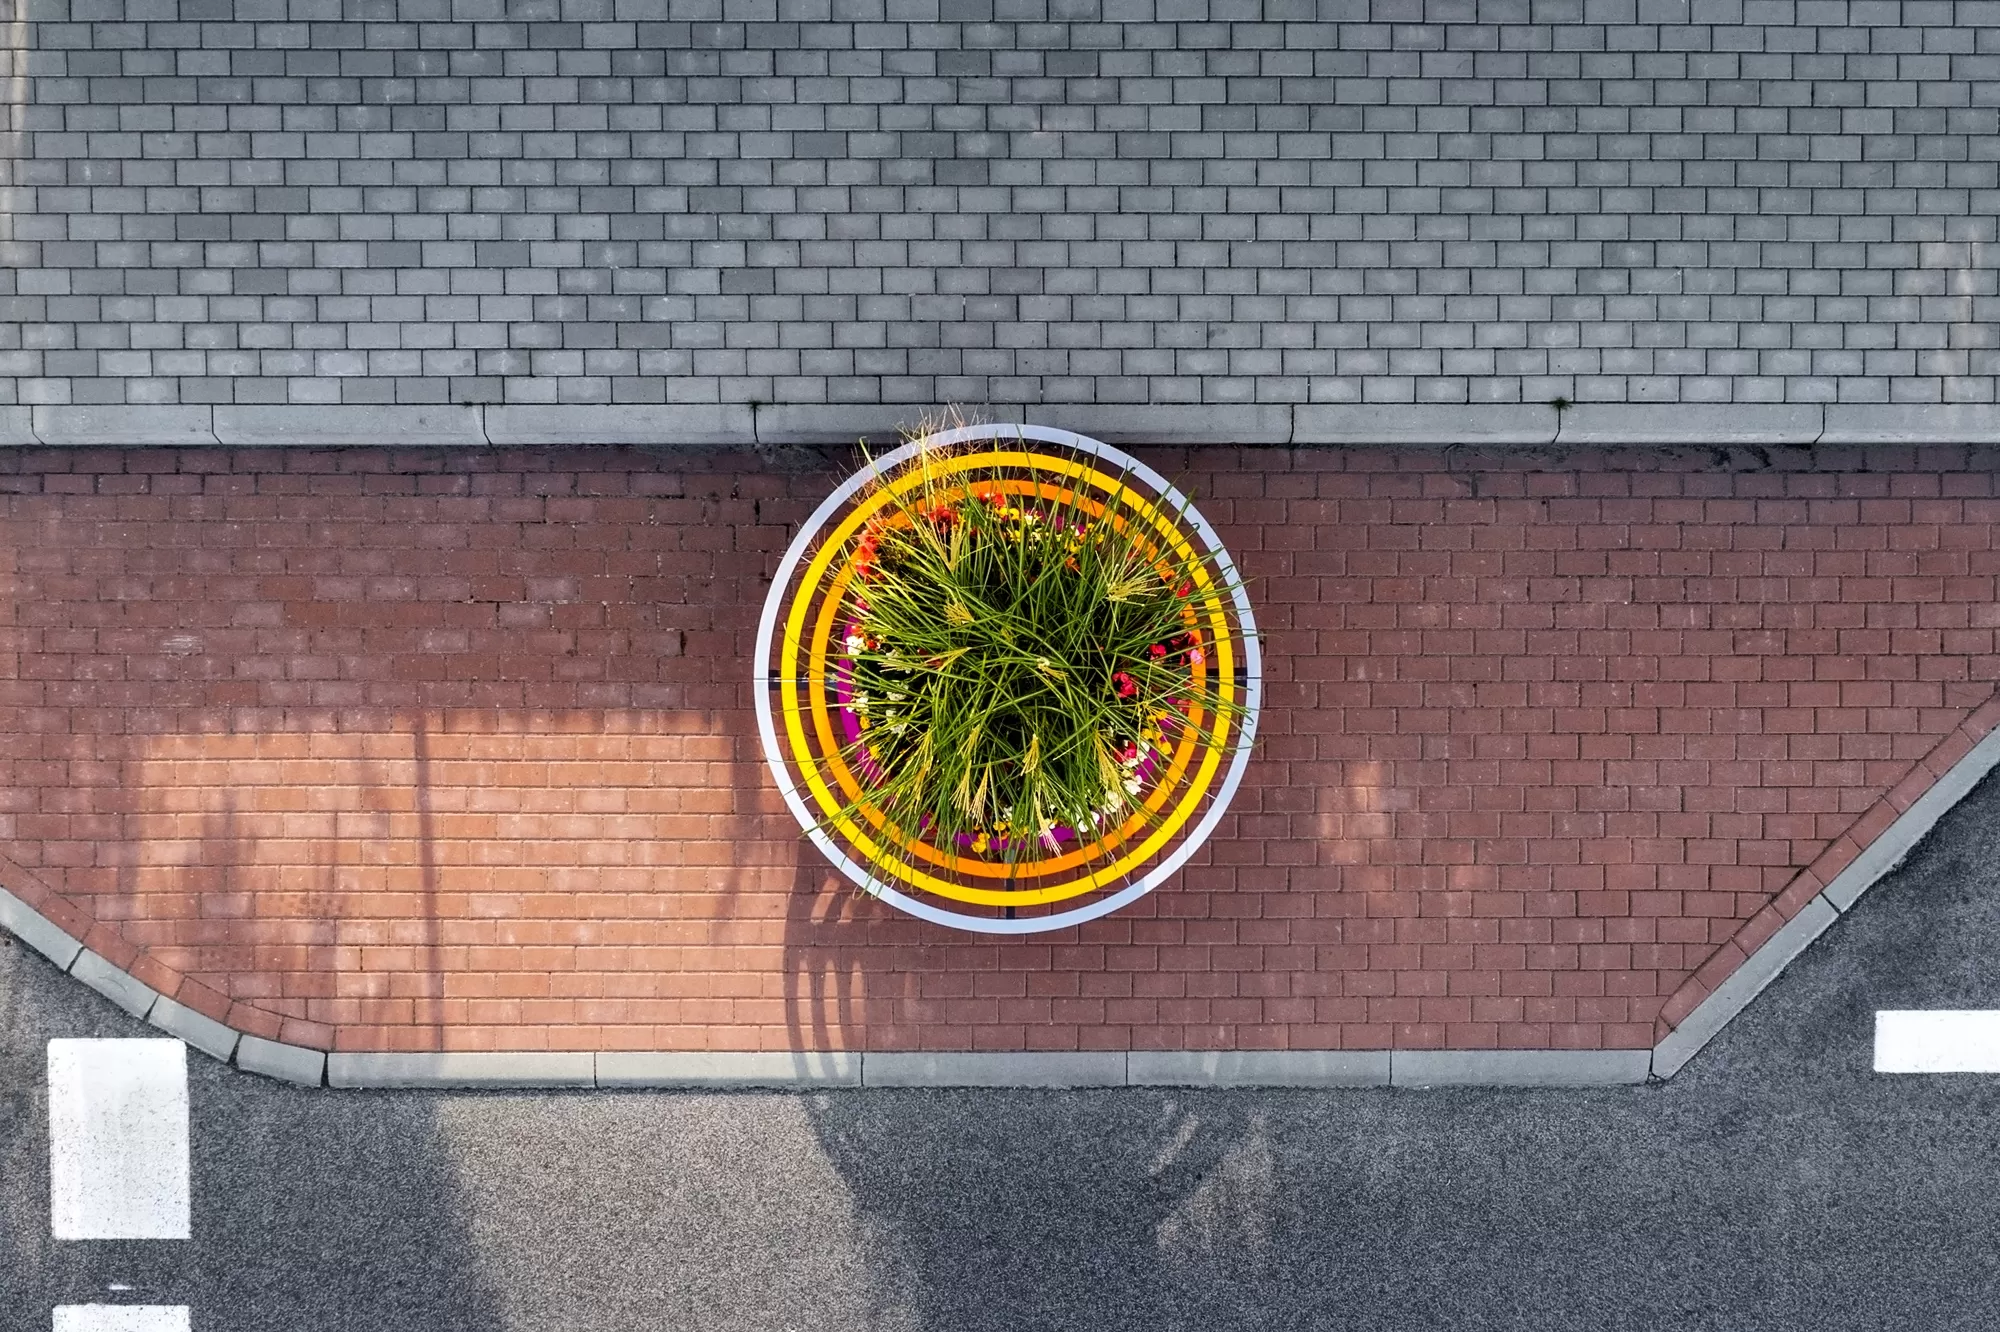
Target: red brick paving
x=453, y=749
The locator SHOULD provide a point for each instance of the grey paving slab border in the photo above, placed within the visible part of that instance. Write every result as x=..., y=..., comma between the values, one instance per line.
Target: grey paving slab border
x=1744, y=984
x=37, y=931
x=203, y=1033
x=1692, y=423
x=729, y=1068
x=463, y=1068
x=290, y=1063
x=880, y=427
x=1901, y=837
x=1109, y=1068
x=1087, y=1068
x=321, y=426
x=671, y=424
x=119, y=986
x=1418, y=425
x=1518, y=1068
x=1257, y=1068
x=286, y=1063
x=93, y=426
x=17, y=427
x=1898, y=423
x=1425, y=425
x=1151, y=423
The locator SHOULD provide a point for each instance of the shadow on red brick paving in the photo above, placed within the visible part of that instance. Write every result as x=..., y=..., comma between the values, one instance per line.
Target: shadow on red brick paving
x=281, y=962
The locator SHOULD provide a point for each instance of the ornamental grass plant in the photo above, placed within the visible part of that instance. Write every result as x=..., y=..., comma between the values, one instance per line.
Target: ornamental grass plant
x=1021, y=655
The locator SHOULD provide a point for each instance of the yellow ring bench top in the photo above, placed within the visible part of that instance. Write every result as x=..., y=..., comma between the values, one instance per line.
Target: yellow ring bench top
x=795, y=707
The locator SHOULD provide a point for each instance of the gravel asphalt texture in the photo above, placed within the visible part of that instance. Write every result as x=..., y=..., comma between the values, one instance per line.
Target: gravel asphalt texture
x=1775, y=1183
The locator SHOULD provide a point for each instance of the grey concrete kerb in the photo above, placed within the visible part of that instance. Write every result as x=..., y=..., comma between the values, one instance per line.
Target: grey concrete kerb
x=1419, y=425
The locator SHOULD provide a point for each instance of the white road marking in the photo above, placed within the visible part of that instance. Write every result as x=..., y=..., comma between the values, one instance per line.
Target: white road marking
x=121, y=1318
x=118, y=1140
x=1938, y=1041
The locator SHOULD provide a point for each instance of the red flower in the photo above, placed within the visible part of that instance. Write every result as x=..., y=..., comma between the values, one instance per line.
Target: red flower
x=1183, y=589
x=1126, y=686
x=867, y=552
x=1159, y=650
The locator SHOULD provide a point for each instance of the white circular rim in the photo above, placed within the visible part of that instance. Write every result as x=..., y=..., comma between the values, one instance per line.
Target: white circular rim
x=860, y=874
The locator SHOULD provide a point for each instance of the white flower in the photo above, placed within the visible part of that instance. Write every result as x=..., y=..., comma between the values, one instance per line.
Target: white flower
x=856, y=643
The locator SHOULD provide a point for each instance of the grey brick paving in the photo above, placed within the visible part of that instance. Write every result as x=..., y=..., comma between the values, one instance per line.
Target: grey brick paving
x=1018, y=202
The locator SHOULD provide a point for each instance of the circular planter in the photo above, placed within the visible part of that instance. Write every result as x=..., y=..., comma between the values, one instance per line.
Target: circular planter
x=807, y=723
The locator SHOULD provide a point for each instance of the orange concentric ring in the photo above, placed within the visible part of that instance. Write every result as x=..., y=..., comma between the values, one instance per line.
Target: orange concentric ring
x=796, y=709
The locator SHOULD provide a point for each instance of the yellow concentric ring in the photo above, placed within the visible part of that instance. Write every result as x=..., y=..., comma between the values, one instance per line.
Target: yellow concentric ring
x=801, y=668
x=837, y=547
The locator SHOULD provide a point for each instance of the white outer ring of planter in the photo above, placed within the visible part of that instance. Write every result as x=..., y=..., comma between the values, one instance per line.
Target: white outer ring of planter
x=860, y=874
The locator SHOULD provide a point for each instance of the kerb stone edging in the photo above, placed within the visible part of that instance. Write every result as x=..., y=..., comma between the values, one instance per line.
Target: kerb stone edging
x=1422, y=425
x=803, y=1070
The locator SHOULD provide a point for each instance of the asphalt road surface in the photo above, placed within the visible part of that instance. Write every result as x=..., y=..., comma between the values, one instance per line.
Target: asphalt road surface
x=1775, y=1183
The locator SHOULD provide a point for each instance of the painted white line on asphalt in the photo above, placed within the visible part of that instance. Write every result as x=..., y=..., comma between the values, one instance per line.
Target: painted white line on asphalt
x=1938, y=1041
x=121, y=1318
x=118, y=1140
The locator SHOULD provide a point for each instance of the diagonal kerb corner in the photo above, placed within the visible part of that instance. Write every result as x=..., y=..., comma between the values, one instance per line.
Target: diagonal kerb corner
x=1825, y=890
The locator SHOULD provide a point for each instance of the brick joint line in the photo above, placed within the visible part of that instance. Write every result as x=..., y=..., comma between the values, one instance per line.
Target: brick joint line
x=1279, y=425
